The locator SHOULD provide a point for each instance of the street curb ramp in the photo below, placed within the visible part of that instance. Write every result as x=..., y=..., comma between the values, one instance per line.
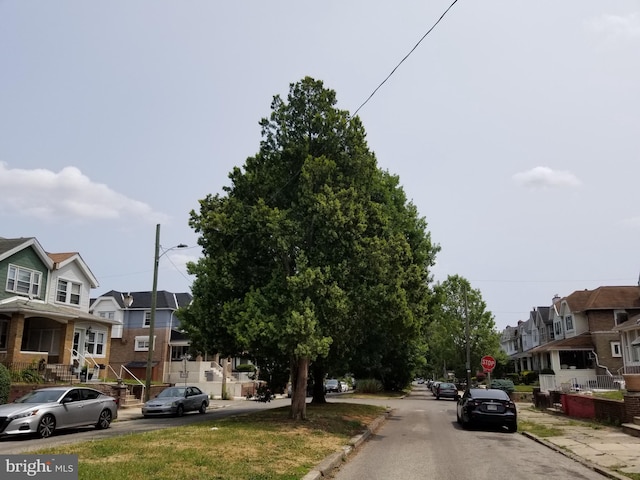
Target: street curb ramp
x=333, y=461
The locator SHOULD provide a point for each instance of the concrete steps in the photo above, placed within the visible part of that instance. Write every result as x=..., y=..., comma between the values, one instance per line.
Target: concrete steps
x=632, y=428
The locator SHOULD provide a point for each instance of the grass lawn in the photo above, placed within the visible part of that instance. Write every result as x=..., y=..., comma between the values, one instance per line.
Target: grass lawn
x=259, y=446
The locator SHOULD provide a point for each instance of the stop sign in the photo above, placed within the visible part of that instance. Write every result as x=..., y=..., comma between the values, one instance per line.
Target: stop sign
x=488, y=363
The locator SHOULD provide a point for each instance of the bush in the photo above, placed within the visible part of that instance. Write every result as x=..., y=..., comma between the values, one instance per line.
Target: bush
x=369, y=385
x=5, y=384
x=529, y=377
x=245, y=367
x=504, y=384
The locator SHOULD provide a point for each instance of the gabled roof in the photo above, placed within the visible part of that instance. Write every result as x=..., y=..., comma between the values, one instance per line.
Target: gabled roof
x=604, y=298
x=11, y=246
x=142, y=300
x=63, y=259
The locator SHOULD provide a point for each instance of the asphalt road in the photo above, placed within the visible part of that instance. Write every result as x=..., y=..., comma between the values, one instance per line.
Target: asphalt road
x=421, y=439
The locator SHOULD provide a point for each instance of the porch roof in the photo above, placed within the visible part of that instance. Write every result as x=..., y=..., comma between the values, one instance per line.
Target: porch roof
x=35, y=308
x=579, y=342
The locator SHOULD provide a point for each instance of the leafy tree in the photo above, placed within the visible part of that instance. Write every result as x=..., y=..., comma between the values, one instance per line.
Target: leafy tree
x=297, y=246
x=452, y=301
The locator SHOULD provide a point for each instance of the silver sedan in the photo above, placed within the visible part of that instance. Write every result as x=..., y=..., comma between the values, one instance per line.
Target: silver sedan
x=45, y=410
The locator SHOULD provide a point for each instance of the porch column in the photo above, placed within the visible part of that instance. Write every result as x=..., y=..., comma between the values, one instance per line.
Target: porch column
x=14, y=342
x=66, y=343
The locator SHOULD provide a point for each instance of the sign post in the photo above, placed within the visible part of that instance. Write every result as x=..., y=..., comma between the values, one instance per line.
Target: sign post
x=488, y=364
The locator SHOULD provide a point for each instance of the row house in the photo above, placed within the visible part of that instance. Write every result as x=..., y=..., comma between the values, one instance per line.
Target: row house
x=585, y=337
x=45, y=324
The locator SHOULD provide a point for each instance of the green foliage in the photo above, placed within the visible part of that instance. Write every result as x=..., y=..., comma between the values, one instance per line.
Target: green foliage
x=529, y=377
x=514, y=377
x=312, y=253
x=5, y=384
x=245, y=367
x=30, y=374
x=369, y=385
x=503, y=384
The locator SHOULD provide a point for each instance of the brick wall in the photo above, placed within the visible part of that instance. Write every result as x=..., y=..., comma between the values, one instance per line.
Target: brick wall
x=632, y=407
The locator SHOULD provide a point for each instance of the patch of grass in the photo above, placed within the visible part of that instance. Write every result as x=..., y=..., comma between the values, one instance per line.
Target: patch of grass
x=610, y=395
x=524, y=388
x=539, y=429
x=261, y=446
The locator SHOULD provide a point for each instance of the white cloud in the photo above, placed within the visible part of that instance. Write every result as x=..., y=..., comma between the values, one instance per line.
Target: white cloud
x=616, y=26
x=68, y=194
x=543, y=177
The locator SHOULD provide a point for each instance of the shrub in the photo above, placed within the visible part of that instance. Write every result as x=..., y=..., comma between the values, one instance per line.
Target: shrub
x=245, y=367
x=5, y=384
x=503, y=384
x=369, y=385
x=529, y=377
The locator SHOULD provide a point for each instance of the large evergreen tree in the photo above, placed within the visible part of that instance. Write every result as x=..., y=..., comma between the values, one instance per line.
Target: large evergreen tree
x=311, y=248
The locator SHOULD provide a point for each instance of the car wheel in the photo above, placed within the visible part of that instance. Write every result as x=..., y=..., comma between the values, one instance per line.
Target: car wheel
x=46, y=426
x=458, y=419
x=437, y=397
x=104, y=420
x=512, y=427
x=466, y=424
x=180, y=411
x=203, y=407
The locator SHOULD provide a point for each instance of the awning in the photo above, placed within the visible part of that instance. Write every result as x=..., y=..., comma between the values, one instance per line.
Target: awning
x=579, y=342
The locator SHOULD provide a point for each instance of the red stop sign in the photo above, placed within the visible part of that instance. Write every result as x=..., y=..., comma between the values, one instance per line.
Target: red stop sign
x=488, y=363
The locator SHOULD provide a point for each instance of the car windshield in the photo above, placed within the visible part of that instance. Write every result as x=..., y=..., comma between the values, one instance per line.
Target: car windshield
x=332, y=382
x=171, y=392
x=447, y=385
x=41, y=396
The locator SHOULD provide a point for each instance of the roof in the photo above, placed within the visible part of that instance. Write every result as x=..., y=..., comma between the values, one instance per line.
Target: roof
x=142, y=300
x=579, y=342
x=37, y=308
x=604, y=298
x=10, y=246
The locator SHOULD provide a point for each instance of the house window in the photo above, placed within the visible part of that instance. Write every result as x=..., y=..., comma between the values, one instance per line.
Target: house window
x=68, y=292
x=4, y=331
x=635, y=350
x=147, y=318
x=95, y=343
x=568, y=321
x=23, y=281
x=615, y=349
x=109, y=315
x=621, y=317
x=558, y=328
x=142, y=344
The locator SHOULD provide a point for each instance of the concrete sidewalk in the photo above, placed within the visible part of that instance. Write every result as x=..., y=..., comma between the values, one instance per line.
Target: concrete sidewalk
x=605, y=449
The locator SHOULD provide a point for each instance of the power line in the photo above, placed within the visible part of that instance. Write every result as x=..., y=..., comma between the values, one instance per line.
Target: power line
x=405, y=57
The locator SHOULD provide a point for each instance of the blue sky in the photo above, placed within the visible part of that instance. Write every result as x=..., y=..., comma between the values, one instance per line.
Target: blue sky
x=514, y=127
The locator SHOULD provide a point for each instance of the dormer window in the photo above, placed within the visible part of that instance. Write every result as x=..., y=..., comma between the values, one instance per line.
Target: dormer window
x=23, y=281
x=621, y=316
x=68, y=292
x=568, y=322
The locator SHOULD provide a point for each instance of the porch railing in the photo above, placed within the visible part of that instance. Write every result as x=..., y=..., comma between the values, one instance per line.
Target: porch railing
x=550, y=383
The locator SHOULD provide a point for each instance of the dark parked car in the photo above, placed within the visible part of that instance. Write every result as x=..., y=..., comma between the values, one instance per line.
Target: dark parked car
x=43, y=411
x=487, y=406
x=176, y=401
x=332, y=385
x=447, y=390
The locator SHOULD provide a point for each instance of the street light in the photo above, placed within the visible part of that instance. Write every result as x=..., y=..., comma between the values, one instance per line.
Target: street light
x=152, y=318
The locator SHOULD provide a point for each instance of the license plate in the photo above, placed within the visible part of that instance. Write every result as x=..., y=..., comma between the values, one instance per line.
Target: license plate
x=492, y=407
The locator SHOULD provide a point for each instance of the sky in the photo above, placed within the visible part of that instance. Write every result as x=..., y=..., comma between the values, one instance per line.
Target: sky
x=514, y=127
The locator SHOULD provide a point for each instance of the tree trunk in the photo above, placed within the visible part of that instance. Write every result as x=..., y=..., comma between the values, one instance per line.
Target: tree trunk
x=299, y=373
x=318, y=383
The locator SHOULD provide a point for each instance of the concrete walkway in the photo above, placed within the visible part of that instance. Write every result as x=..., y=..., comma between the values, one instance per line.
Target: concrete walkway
x=605, y=449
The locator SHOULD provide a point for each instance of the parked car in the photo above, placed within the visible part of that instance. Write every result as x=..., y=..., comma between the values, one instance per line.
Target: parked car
x=46, y=410
x=489, y=406
x=332, y=385
x=447, y=390
x=344, y=387
x=176, y=401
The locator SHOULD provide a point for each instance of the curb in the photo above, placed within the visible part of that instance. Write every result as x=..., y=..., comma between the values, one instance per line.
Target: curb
x=333, y=461
x=596, y=468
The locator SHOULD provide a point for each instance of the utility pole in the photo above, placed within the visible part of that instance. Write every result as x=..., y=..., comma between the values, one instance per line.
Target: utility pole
x=466, y=317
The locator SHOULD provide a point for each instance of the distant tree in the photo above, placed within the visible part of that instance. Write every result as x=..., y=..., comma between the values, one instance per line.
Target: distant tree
x=452, y=301
x=295, y=249
x=5, y=384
